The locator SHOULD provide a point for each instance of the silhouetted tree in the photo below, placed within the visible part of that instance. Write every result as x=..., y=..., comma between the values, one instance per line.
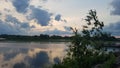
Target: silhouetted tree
x=85, y=51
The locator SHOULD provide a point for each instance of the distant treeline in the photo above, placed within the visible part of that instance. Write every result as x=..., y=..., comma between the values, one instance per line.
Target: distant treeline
x=45, y=37
x=41, y=37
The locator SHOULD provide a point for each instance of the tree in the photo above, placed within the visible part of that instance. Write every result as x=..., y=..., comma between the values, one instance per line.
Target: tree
x=86, y=50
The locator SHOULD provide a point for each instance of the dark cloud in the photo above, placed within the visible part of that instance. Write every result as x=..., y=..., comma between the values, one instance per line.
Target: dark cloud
x=58, y=17
x=12, y=30
x=57, y=32
x=67, y=28
x=113, y=28
x=6, y=28
x=10, y=18
x=21, y=5
x=42, y=16
x=25, y=25
x=12, y=25
x=32, y=26
x=116, y=7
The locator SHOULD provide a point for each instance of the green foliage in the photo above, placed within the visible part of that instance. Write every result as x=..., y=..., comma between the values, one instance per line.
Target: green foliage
x=86, y=50
x=109, y=62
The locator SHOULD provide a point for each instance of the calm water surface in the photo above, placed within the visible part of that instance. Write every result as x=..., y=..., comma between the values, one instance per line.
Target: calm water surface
x=31, y=54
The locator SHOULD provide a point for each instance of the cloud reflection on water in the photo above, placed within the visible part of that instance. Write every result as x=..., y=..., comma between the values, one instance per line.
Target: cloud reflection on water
x=34, y=55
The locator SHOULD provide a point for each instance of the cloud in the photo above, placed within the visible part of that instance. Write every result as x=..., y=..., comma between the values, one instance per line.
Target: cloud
x=15, y=21
x=114, y=29
x=6, y=28
x=33, y=26
x=44, y=0
x=23, y=17
x=21, y=6
x=58, y=17
x=7, y=10
x=57, y=32
x=10, y=18
x=25, y=25
x=67, y=28
x=42, y=16
x=12, y=25
x=116, y=7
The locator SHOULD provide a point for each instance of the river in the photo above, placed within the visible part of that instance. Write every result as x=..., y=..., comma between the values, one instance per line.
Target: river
x=31, y=54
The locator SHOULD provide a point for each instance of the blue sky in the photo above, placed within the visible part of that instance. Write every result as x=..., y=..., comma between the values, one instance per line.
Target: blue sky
x=33, y=17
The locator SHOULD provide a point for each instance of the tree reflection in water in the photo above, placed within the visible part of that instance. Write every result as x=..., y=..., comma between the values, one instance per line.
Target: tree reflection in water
x=23, y=57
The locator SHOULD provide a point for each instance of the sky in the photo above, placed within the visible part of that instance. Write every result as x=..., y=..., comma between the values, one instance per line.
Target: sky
x=35, y=17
